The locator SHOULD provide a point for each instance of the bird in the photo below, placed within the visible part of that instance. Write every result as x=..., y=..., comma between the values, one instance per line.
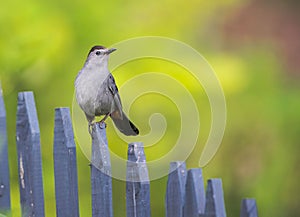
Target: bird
x=97, y=93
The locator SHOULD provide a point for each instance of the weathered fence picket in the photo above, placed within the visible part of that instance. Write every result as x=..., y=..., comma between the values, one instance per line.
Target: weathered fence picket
x=175, y=189
x=65, y=166
x=185, y=194
x=215, y=206
x=29, y=157
x=248, y=208
x=137, y=184
x=4, y=169
x=101, y=173
x=194, y=202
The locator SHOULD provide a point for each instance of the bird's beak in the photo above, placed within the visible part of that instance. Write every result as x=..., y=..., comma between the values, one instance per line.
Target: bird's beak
x=110, y=50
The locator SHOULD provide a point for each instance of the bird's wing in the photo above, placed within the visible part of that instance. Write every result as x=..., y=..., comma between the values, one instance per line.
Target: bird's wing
x=117, y=108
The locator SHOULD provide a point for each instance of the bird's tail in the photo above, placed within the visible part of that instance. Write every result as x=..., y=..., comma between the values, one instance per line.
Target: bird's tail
x=125, y=125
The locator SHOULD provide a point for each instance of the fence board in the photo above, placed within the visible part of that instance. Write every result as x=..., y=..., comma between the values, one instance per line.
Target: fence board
x=101, y=173
x=215, y=206
x=65, y=166
x=175, y=189
x=137, y=184
x=185, y=190
x=248, y=208
x=194, y=202
x=29, y=157
x=4, y=169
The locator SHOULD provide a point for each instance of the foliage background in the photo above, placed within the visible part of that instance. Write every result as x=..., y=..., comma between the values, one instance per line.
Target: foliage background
x=252, y=45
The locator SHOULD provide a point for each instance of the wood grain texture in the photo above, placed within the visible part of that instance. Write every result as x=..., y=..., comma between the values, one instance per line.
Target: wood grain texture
x=101, y=173
x=65, y=166
x=4, y=167
x=194, y=202
x=175, y=193
x=29, y=157
x=215, y=206
x=137, y=184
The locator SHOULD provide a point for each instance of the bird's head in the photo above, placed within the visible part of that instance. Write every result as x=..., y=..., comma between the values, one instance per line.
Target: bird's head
x=99, y=54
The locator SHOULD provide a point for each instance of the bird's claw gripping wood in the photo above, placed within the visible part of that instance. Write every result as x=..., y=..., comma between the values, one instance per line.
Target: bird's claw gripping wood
x=101, y=123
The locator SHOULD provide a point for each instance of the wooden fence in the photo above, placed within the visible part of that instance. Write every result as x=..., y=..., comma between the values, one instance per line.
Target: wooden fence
x=185, y=193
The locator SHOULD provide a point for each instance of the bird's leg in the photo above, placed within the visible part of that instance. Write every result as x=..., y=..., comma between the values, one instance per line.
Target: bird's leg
x=103, y=120
x=90, y=127
x=90, y=123
x=105, y=117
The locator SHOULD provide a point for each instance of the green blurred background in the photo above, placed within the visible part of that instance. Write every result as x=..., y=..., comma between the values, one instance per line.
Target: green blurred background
x=253, y=46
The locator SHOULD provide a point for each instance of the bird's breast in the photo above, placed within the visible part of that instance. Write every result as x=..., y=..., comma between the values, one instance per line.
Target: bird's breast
x=90, y=91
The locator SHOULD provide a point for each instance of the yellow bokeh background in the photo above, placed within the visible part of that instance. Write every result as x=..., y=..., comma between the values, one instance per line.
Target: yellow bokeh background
x=43, y=44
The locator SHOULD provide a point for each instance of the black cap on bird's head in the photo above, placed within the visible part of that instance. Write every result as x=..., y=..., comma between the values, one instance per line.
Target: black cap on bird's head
x=102, y=49
x=97, y=47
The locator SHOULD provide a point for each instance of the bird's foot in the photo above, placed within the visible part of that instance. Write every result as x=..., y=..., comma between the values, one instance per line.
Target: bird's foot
x=90, y=128
x=102, y=124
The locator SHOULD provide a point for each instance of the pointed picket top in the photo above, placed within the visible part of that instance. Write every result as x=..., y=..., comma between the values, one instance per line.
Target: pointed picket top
x=29, y=156
x=194, y=203
x=248, y=208
x=215, y=206
x=136, y=152
x=137, y=182
x=63, y=123
x=137, y=170
x=175, y=193
x=65, y=166
x=27, y=111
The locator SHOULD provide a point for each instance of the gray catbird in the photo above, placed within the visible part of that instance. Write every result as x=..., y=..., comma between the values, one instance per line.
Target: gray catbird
x=97, y=93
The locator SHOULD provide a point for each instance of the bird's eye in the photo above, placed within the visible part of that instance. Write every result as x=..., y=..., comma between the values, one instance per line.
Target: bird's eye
x=98, y=53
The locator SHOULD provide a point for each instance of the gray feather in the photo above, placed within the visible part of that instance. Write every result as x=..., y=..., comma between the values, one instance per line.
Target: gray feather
x=125, y=126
